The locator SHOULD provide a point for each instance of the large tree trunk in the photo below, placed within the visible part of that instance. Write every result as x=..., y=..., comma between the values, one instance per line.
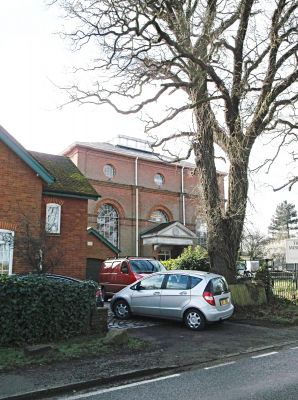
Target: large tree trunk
x=224, y=223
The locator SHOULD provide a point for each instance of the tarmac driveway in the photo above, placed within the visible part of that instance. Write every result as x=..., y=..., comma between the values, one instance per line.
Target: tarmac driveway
x=169, y=345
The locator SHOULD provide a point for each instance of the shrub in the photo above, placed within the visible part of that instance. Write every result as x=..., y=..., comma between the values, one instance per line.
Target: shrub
x=191, y=258
x=36, y=309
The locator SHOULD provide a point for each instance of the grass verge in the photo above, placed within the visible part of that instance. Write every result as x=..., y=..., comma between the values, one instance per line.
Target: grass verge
x=83, y=346
x=279, y=312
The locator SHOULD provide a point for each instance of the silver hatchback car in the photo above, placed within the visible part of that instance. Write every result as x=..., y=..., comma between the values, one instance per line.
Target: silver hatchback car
x=194, y=297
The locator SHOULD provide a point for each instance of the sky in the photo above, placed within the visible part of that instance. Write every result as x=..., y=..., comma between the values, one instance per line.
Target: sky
x=35, y=61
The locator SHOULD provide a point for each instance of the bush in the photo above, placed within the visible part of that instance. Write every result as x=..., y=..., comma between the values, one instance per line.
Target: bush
x=35, y=309
x=191, y=258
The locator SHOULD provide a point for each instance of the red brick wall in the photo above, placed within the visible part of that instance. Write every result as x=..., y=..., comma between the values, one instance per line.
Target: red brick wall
x=120, y=191
x=21, y=198
x=21, y=192
x=71, y=241
x=98, y=250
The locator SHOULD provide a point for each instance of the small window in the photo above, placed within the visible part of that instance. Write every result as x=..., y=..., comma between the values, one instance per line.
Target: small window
x=53, y=218
x=109, y=171
x=164, y=254
x=159, y=179
x=158, y=216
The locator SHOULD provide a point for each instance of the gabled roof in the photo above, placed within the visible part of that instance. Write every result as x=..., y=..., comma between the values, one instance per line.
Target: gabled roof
x=24, y=155
x=92, y=231
x=59, y=173
x=170, y=233
x=157, y=228
x=69, y=181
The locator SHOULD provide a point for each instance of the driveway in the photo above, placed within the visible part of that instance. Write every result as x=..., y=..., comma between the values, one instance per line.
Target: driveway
x=132, y=323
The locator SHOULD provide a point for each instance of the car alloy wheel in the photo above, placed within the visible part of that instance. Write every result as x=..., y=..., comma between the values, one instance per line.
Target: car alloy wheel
x=194, y=320
x=121, y=309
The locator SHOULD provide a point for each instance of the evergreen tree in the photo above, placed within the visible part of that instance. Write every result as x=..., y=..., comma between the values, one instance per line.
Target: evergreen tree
x=284, y=220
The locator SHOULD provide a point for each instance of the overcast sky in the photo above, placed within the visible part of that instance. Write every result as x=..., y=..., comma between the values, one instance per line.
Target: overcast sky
x=33, y=58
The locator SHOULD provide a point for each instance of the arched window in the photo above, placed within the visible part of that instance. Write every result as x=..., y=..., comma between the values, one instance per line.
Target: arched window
x=108, y=222
x=158, y=216
x=201, y=231
x=159, y=179
x=109, y=171
x=6, y=251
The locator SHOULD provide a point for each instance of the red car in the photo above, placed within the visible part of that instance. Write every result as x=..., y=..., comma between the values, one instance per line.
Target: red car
x=115, y=274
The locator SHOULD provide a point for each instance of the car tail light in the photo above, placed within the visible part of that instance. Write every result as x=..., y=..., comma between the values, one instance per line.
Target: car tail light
x=209, y=298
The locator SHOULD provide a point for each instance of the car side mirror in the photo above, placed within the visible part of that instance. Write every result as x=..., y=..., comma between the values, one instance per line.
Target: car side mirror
x=138, y=286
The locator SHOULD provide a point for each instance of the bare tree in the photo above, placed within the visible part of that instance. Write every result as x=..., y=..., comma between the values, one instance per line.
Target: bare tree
x=37, y=248
x=254, y=244
x=235, y=61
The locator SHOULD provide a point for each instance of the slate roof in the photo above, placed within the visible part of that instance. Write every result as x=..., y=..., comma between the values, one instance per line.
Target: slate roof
x=69, y=180
x=158, y=228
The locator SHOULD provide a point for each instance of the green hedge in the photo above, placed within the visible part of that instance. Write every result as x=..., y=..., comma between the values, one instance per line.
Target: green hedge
x=35, y=309
x=191, y=258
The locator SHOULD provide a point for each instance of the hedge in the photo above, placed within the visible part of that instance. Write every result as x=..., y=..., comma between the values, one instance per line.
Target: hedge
x=35, y=309
x=191, y=258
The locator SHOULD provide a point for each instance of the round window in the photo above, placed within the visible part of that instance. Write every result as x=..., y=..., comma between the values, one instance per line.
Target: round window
x=109, y=171
x=159, y=179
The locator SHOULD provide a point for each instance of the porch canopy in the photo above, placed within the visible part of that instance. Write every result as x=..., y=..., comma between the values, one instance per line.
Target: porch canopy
x=169, y=233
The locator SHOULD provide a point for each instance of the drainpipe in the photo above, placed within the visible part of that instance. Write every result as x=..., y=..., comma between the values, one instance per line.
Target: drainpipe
x=137, y=206
x=183, y=195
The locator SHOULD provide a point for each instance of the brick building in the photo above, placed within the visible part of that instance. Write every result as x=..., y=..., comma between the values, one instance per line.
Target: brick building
x=43, y=204
x=148, y=207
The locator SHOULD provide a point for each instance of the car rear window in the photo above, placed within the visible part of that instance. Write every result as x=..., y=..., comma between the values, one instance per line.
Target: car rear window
x=218, y=286
x=146, y=266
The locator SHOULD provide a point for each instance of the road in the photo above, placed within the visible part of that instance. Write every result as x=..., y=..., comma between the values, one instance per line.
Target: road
x=272, y=375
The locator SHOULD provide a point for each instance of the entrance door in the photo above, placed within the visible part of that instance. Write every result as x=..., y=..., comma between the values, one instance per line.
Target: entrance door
x=92, y=269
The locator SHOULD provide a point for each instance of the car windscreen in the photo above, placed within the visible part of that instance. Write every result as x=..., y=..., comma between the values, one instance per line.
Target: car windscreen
x=146, y=266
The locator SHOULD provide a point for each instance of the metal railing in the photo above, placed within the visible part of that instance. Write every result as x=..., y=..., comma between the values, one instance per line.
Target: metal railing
x=284, y=284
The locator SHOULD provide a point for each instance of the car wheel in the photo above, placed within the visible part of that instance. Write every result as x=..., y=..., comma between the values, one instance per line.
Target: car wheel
x=194, y=320
x=121, y=309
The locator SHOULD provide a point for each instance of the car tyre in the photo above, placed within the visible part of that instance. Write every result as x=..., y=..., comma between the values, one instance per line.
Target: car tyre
x=121, y=309
x=194, y=319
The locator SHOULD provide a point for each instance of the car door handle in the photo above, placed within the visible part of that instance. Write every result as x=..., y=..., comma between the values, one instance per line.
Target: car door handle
x=183, y=293
x=156, y=293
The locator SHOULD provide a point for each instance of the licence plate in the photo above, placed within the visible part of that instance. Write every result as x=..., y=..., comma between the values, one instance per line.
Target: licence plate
x=223, y=302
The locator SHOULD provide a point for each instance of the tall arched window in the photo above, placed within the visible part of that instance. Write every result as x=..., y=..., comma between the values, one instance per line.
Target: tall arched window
x=158, y=216
x=108, y=222
x=201, y=231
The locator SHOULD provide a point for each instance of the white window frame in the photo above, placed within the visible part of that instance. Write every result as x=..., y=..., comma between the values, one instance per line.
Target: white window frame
x=159, y=179
x=49, y=229
x=109, y=171
x=10, y=251
x=164, y=254
x=158, y=212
